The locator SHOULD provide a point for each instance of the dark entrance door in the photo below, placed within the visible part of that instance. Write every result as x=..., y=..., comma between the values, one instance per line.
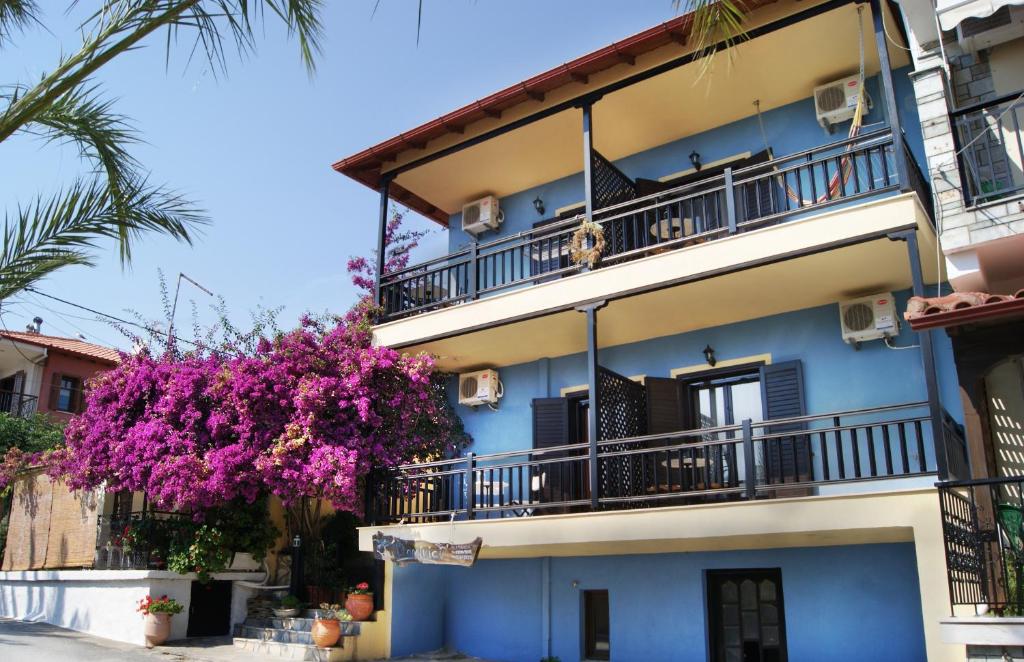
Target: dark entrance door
x=746, y=617
x=209, y=612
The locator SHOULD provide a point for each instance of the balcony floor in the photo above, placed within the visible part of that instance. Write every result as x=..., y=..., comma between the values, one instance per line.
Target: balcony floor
x=803, y=263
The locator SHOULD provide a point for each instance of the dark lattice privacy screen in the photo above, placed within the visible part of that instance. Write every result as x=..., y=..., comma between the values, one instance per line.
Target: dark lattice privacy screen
x=622, y=413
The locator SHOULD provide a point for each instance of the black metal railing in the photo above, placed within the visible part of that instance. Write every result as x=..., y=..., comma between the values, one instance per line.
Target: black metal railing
x=734, y=201
x=991, y=145
x=748, y=460
x=983, y=530
x=18, y=404
x=134, y=541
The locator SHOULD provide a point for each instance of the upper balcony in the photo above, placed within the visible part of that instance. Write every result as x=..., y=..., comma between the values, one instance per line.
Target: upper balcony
x=689, y=178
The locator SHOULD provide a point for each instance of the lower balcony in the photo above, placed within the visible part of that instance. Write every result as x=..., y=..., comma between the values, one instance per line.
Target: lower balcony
x=983, y=529
x=754, y=460
x=18, y=404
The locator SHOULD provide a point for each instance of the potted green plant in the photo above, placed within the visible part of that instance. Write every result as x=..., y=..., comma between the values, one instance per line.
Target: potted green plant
x=359, y=602
x=158, y=615
x=327, y=625
x=288, y=607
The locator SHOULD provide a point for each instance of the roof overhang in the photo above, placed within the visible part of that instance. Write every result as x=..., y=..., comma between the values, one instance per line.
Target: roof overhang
x=534, y=126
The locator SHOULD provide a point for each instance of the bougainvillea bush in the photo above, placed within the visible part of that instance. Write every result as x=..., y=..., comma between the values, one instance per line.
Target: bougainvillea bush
x=307, y=414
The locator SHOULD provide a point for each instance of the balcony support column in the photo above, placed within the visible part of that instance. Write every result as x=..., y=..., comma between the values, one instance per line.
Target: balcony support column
x=588, y=158
x=382, y=236
x=899, y=153
x=931, y=381
x=592, y=393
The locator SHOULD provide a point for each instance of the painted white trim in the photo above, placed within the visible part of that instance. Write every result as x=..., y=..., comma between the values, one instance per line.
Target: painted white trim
x=983, y=630
x=724, y=363
x=690, y=171
x=583, y=387
x=564, y=208
x=114, y=575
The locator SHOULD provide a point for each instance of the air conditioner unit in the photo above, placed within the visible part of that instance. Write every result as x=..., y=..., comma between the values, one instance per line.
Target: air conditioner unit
x=836, y=102
x=479, y=388
x=481, y=215
x=868, y=318
x=975, y=34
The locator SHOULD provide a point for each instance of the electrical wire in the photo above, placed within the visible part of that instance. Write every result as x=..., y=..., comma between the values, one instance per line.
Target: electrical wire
x=117, y=319
x=61, y=315
x=888, y=36
x=14, y=343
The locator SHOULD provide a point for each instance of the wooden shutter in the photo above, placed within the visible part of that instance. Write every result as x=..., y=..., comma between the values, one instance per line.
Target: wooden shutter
x=551, y=428
x=664, y=405
x=787, y=459
x=77, y=400
x=550, y=422
x=54, y=390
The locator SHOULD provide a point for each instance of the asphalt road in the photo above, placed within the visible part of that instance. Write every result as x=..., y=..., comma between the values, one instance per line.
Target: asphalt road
x=40, y=642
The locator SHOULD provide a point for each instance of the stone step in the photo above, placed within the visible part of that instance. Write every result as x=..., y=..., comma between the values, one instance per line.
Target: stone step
x=296, y=624
x=274, y=634
x=348, y=628
x=289, y=651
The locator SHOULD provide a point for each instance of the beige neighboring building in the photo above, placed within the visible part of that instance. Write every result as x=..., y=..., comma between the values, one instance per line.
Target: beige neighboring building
x=969, y=83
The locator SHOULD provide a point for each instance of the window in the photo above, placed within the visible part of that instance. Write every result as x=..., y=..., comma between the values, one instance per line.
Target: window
x=746, y=616
x=67, y=393
x=596, y=639
x=723, y=397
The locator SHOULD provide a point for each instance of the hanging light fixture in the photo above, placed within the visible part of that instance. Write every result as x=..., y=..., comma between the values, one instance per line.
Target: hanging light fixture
x=709, y=355
x=695, y=160
x=538, y=204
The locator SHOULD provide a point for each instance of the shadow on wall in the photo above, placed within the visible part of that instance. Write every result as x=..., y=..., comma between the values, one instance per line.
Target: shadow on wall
x=43, y=602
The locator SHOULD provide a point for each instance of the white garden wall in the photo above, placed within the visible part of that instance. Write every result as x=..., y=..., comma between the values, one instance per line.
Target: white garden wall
x=103, y=602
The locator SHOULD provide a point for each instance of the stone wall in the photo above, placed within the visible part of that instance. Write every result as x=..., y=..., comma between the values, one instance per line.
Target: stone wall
x=961, y=225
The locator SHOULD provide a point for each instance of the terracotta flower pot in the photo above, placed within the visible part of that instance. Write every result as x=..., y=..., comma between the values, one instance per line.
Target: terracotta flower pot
x=158, y=628
x=326, y=632
x=359, y=605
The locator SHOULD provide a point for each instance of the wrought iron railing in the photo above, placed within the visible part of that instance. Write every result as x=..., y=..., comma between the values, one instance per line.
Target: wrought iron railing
x=134, y=541
x=735, y=201
x=983, y=530
x=749, y=460
x=18, y=404
x=991, y=145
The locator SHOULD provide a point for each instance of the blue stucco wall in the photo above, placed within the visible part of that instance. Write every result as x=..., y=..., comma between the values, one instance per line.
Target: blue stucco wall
x=418, y=616
x=841, y=603
x=836, y=377
x=789, y=129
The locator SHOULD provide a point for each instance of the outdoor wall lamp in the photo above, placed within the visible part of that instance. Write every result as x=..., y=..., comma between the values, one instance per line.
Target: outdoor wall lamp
x=538, y=204
x=709, y=355
x=695, y=160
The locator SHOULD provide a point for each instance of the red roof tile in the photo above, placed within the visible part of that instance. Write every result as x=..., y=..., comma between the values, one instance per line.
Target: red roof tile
x=69, y=345
x=961, y=308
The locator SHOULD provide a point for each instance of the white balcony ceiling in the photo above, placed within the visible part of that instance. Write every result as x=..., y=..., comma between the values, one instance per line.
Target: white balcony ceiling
x=777, y=69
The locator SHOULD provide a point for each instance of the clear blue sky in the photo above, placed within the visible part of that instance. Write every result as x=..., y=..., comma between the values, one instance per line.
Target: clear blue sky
x=255, y=148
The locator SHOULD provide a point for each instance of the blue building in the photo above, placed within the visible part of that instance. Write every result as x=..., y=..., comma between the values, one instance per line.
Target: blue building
x=673, y=317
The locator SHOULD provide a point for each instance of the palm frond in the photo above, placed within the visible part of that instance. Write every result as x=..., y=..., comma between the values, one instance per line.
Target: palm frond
x=119, y=26
x=715, y=25
x=103, y=137
x=59, y=231
x=15, y=16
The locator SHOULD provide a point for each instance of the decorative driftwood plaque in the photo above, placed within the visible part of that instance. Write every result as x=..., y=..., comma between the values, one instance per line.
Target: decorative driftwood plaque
x=404, y=552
